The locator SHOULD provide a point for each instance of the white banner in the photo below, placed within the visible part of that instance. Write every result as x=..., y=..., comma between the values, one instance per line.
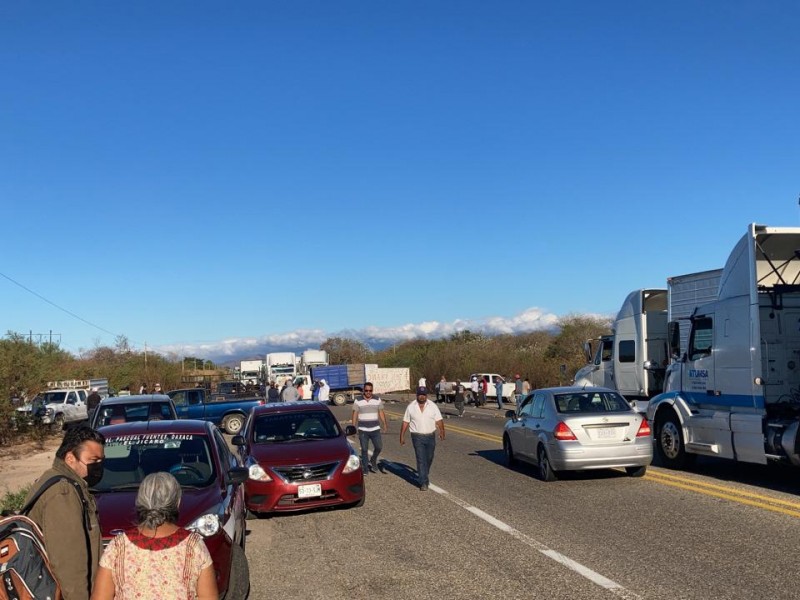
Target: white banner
x=388, y=379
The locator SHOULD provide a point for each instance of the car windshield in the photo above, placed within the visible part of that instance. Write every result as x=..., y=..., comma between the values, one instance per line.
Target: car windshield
x=129, y=458
x=54, y=397
x=286, y=427
x=591, y=402
x=114, y=414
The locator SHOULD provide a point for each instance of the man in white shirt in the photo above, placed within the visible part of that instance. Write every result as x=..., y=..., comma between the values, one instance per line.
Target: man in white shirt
x=423, y=418
x=370, y=419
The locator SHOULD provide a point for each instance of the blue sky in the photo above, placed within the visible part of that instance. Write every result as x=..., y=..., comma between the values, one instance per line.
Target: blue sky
x=210, y=179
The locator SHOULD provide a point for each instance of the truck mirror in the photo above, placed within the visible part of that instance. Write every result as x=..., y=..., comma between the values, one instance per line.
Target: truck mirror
x=238, y=440
x=587, y=350
x=674, y=336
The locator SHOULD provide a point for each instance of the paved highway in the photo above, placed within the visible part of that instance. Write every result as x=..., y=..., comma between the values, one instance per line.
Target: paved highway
x=486, y=531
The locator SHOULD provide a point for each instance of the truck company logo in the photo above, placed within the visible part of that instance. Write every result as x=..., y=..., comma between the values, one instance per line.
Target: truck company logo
x=698, y=373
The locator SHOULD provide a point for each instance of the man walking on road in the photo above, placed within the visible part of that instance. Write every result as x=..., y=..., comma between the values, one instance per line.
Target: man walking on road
x=370, y=420
x=498, y=388
x=423, y=418
x=458, y=399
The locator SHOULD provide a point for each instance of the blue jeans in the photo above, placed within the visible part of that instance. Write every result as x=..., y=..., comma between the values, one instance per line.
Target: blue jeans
x=424, y=447
x=377, y=445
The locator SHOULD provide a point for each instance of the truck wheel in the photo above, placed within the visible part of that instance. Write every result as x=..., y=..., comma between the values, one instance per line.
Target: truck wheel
x=340, y=398
x=58, y=423
x=670, y=445
x=239, y=576
x=233, y=424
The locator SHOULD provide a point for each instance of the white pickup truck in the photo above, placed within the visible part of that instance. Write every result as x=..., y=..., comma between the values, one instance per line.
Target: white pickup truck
x=58, y=407
x=491, y=391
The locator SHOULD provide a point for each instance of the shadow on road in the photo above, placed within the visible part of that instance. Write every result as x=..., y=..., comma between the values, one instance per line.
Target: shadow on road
x=498, y=457
x=402, y=470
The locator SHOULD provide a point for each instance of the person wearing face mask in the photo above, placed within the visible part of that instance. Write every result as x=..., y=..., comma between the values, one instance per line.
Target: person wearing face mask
x=67, y=514
x=423, y=418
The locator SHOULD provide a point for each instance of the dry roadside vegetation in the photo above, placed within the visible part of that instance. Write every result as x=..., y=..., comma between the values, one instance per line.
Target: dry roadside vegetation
x=545, y=357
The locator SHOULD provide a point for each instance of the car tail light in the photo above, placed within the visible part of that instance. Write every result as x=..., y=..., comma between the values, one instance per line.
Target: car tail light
x=563, y=432
x=644, y=429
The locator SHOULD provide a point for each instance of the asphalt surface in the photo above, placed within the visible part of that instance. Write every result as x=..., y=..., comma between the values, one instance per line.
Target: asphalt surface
x=483, y=530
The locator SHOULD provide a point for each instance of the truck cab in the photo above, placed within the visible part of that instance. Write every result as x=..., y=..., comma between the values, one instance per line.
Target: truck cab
x=733, y=391
x=633, y=359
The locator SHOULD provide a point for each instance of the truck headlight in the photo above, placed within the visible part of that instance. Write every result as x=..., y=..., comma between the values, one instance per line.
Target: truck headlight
x=353, y=463
x=207, y=525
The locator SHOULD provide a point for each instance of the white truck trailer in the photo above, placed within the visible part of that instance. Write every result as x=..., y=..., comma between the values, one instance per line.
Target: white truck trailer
x=732, y=391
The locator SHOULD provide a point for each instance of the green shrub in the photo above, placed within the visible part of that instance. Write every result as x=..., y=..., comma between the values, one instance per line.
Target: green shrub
x=13, y=501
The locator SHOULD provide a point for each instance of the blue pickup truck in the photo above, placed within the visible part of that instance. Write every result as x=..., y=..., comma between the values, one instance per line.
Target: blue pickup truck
x=227, y=414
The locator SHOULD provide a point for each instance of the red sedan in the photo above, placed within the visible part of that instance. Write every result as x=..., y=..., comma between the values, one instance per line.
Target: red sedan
x=212, y=502
x=298, y=458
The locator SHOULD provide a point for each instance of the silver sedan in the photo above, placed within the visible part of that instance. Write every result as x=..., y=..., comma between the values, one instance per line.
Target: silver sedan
x=577, y=428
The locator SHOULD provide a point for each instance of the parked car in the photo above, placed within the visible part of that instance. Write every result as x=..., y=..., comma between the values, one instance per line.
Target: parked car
x=57, y=408
x=298, y=457
x=227, y=413
x=211, y=479
x=577, y=428
x=126, y=409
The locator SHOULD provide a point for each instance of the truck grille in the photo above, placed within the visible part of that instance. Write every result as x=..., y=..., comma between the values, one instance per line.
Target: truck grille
x=305, y=473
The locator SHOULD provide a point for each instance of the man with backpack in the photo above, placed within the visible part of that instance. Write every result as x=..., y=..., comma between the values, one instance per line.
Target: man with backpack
x=66, y=511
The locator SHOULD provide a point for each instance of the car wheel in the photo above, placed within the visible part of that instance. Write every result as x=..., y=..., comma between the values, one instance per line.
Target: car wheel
x=58, y=423
x=239, y=576
x=340, y=399
x=232, y=424
x=508, y=452
x=546, y=472
x=670, y=445
x=636, y=471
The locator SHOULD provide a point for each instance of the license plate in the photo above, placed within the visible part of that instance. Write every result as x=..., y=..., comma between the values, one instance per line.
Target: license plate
x=606, y=433
x=309, y=491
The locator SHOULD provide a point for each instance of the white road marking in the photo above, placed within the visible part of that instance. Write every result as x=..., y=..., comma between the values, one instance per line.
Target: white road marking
x=577, y=567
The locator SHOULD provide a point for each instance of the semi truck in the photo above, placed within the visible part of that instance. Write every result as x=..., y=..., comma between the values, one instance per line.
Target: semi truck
x=281, y=366
x=733, y=389
x=634, y=358
x=312, y=358
x=251, y=372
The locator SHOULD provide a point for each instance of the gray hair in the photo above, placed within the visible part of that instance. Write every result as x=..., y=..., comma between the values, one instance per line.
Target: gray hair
x=158, y=500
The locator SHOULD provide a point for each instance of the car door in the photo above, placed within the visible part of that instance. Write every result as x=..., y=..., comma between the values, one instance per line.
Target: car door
x=515, y=428
x=233, y=509
x=535, y=420
x=70, y=408
x=188, y=403
x=524, y=424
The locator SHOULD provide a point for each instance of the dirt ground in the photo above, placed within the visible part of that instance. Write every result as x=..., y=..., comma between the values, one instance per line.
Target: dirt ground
x=22, y=463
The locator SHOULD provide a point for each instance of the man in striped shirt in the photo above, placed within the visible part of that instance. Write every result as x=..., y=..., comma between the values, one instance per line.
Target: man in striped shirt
x=370, y=420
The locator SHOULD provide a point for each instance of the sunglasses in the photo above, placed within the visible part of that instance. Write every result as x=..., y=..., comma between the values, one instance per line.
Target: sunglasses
x=367, y=390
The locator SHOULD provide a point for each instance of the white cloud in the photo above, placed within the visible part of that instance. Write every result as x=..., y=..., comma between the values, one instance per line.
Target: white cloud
x=531, y=319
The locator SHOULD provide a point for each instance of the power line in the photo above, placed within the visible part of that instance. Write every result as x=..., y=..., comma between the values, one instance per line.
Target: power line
x=70, y=313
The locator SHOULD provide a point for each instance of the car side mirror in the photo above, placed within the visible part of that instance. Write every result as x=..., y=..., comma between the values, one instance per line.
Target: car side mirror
x=238, y=475
x=350, y=430
x=238, y=440
x=510, y=414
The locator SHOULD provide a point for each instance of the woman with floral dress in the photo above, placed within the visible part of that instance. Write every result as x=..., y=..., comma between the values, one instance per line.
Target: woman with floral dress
x=156, y=559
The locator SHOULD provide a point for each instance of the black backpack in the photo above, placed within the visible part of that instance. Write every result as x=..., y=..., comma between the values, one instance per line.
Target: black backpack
x=25, y=570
